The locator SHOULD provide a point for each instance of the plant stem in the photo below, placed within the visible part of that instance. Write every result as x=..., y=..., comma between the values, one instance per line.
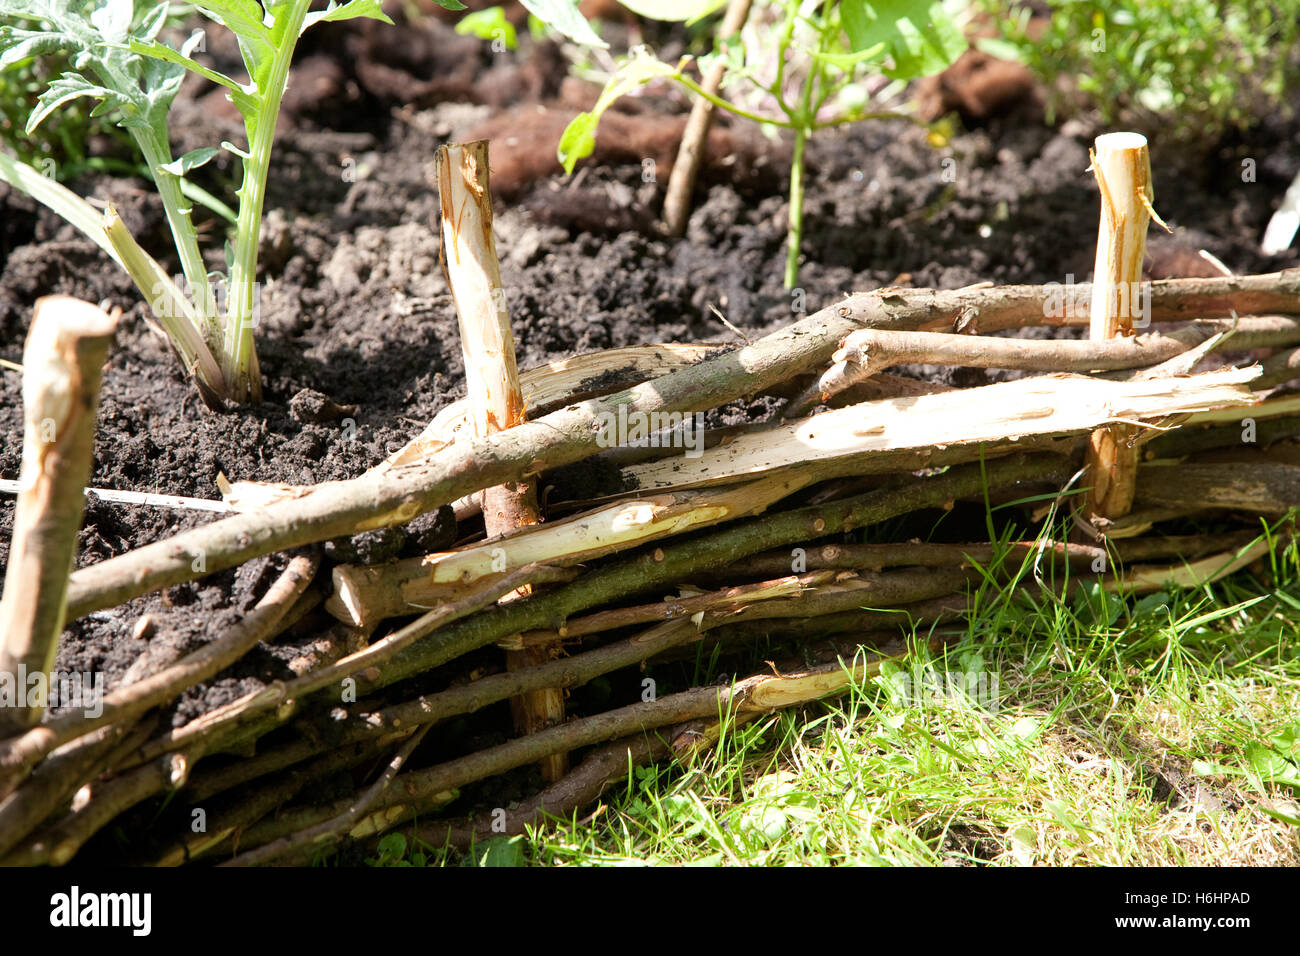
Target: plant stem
x=802, y=130
x=157, y=153
x=239, y=358
x=794, y=237
x=156, y=148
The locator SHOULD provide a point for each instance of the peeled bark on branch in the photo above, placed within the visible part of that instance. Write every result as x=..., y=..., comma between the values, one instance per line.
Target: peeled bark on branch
x=1123, y=170
x=552, y=386
x=62, y=361
x=364, y=595
x=1046, y=405
x=867, y=352
x=496, y=401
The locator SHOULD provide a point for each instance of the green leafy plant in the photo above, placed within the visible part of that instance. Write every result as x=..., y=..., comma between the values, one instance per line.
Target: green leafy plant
x=802, y=68
x=118, y=61
x=113, y=56
x=1189, y=69
x=59, y=145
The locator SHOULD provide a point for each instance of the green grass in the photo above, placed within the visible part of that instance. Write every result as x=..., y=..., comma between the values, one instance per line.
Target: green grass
x=1156, y=731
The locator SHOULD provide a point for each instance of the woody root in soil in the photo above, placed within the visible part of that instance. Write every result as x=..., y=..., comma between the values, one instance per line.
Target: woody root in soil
x=752, y=531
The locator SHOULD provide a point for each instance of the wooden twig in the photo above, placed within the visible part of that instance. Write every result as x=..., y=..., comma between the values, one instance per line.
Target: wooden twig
x=1279, y=368
x=53, y=783
x=752, y=695
x=1123, y=170
x=59, y=842
x=877, y=557
x=1263, y=488
x=469, y=259
x=278, y=702
x=20, y=753
x=668, y=565
x=225, y=826
x=1191, y=574
x=328, y=831
x=1005, y=412
x=554, y=385
x=682, y=607
x=367, y=594
x=859, y=627
x=865, y=353
x=581, y=787
x=681, y=181
x=145, y=498
x=398, y=495
x=62, y=359
x=1190, y=439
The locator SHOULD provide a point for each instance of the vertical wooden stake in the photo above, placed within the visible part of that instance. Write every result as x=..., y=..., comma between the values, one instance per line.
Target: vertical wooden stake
x=1123, y=170
x=681, y=181
x=62, y=368
x=469, y=259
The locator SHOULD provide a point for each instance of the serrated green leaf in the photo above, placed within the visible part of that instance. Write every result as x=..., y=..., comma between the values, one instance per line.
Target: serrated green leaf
x=352, y=9
x=113, y=19
x=563, y=15
x=69, y=86
x=243, y=17
x=191, y=160
x=152, y=22
x=452, y=5
x=18, y=45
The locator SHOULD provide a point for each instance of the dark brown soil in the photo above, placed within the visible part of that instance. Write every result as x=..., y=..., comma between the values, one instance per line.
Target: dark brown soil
x=356, y=309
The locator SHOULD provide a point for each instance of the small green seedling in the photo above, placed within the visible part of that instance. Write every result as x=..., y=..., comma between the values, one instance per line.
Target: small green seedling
x=808, y=61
